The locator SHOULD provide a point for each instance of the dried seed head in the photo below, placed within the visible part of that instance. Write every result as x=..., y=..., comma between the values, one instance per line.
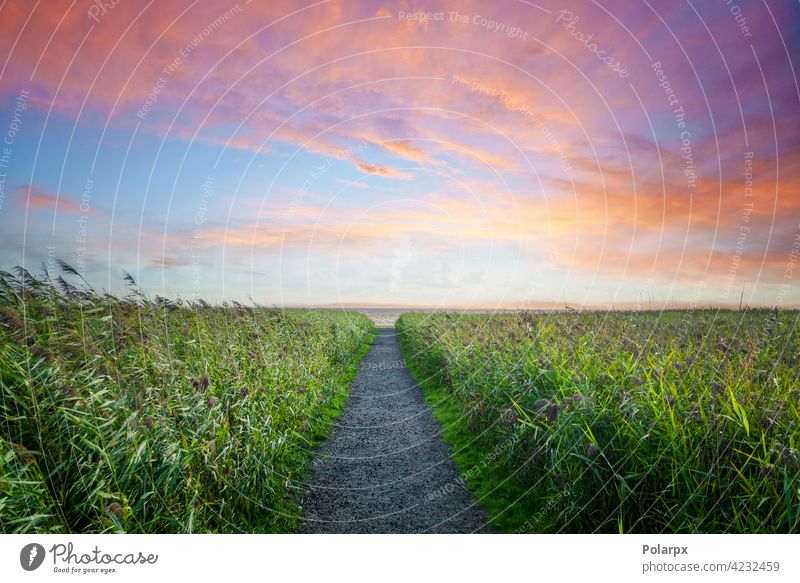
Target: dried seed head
x=148, y=420
x=552, y=412
x=114, y=508
x=201, y=383
x=38, y=352
x=13, y=321
x=785, y=457
x=212, y=402
x=716, y=390
x=776, y=452
x=23, y=452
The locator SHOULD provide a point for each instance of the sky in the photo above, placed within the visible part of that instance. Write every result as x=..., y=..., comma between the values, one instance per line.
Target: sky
x=442, y=154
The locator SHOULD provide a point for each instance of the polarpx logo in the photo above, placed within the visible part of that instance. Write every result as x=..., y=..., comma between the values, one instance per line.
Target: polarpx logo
x=31, y=556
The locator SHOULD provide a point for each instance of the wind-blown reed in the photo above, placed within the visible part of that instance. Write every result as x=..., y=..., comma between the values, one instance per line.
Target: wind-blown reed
x=681, y=421
x=138, y=415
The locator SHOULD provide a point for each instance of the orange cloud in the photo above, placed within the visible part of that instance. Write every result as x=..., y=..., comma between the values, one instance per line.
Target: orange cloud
x=380, y=170
x=594, y=160
x=405, y=150
x=36, y=198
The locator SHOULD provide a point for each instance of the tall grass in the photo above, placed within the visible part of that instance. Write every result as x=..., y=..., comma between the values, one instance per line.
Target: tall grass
x=624, y=422
x=138, y=415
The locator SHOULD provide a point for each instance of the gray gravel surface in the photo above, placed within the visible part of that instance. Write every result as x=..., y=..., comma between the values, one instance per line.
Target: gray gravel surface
x=385, y=469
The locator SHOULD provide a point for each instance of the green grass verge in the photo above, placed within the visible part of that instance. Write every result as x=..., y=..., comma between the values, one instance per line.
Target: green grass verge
x=326, y=416
x=506, y=502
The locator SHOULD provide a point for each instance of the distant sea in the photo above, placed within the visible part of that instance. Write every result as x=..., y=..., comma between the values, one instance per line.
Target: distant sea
x=388, y=316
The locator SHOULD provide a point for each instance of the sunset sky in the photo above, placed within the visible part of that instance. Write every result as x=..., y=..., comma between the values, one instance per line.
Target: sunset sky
x=484, y=154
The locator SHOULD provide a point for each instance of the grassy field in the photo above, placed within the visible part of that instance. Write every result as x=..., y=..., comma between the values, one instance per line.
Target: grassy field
x=684, y=421
x=137, y=415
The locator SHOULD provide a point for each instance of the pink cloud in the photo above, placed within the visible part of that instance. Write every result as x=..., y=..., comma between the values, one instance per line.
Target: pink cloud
x=37, y=198
x=458, y=99
x=380, y=170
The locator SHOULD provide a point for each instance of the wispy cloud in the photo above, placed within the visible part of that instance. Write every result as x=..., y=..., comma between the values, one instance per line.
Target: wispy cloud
x=166, y=262
x=461, y=133
x=380, y=170
x=36, y=198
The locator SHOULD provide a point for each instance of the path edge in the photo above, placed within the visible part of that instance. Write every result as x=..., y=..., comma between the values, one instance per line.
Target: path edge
x=490, y=488
x=343, y=384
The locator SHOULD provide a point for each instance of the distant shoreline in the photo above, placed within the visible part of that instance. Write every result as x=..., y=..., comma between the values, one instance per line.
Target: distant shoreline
x=389, y=316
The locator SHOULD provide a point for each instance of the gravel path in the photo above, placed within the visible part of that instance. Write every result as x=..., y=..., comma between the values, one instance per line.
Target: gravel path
x=385, y=469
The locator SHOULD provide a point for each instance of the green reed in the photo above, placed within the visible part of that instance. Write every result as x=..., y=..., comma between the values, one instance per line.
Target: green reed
x=139, y=415
x=680, y=421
